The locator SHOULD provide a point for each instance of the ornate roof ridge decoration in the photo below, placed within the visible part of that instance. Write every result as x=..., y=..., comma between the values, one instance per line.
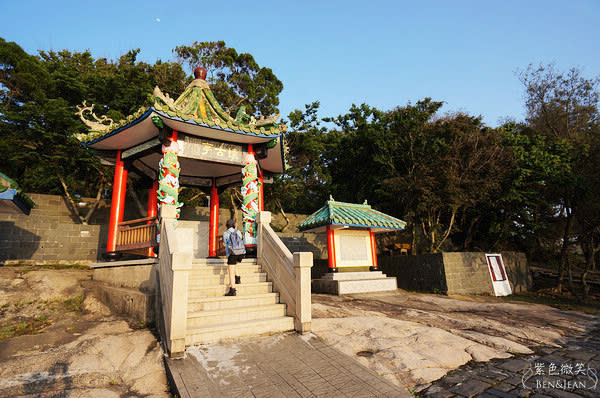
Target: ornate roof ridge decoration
x=351, y=214
x=97, y=125
x=196, y=105
x=98, y=132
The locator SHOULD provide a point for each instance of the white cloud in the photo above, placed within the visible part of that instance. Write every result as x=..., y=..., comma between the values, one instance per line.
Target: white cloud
x=157, y=19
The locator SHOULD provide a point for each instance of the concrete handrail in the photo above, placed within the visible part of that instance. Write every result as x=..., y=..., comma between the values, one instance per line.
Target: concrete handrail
x=175, y=261
x=290, y=273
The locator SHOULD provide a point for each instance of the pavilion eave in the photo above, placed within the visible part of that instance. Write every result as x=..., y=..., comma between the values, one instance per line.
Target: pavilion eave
x=142, y=129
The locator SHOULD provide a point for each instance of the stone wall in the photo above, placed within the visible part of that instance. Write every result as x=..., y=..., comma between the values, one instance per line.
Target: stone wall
x=305, y=242
x=420, y=273
x=467, y=273
x=454, y=273
x=49, y=234
x=517, y=271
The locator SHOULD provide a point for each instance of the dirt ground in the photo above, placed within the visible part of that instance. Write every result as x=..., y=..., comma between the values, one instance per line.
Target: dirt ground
x=57, y=340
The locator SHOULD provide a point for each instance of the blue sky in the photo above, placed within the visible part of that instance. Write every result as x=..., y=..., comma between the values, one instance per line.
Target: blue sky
x=383, y=53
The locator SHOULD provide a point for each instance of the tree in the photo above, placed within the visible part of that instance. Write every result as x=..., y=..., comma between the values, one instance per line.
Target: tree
x=38, y=96
x=305, y=185
x=431, y=172
x=564, y=107
x=235, y=79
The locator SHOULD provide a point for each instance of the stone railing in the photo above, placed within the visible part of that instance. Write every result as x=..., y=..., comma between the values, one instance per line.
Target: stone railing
x=289, y=273
x=175, y=261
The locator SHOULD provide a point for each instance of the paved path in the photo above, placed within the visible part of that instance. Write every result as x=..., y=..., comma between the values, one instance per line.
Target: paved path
x=287, y=365
x=572, y=371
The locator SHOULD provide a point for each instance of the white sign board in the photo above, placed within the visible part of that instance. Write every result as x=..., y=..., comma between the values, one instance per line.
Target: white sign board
x=353, y=248
x=210, y=150
x=498, y=275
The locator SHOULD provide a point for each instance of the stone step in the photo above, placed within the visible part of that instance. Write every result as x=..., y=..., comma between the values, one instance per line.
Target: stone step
x=343, y=276
x=234, y=315
x=206, y=271
x=220, y=302
x=220, y=290
x=236, y=330
x=353, y=286
x=219, y=261
x=213, y=280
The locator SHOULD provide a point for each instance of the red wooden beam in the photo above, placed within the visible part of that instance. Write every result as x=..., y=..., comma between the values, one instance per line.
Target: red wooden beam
x=213, y=229
x=331, y=249
x=117, y=206
x=374, y=267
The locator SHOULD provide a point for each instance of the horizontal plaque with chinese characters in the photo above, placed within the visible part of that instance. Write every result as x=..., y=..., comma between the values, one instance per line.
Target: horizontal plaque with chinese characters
x=209, y=150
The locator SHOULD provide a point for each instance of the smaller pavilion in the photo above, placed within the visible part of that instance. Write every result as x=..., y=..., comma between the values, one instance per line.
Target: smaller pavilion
x=351, y=246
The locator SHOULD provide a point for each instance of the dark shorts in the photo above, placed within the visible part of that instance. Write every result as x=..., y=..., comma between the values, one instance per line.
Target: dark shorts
x=233, y=259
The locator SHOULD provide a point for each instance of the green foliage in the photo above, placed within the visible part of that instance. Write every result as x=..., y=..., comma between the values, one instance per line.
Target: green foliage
x=563, y=108
x=235, y=79
x=38, y=99
x=305, y=185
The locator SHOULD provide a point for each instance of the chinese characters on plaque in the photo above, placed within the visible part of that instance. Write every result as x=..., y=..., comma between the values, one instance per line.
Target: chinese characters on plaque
x=212, y=151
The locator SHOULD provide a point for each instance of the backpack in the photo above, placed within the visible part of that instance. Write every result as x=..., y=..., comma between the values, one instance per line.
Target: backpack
x=237, y=246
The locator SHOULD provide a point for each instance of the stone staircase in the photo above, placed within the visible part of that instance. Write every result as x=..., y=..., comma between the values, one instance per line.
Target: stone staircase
x=213, y=317
x=354, y=282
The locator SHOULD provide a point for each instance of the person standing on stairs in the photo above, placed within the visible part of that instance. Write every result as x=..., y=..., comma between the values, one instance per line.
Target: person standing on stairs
x=235, y=251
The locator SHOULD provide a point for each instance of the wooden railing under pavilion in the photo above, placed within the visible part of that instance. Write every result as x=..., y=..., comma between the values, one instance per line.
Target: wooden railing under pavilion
x=136, y=236
x=220, y=246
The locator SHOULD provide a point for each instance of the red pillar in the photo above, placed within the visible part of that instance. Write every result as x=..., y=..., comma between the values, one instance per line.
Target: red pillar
x=261, y=195
x=331, y=250
x=152, y=210
x=373, y=252
x=117, y=206
x=213, y=229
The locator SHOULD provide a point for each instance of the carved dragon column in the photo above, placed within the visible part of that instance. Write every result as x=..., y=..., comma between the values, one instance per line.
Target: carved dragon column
x=168, y=172
x=250, y=191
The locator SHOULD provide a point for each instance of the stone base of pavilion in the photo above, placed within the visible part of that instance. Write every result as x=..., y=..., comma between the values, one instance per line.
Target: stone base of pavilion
x=353, y=282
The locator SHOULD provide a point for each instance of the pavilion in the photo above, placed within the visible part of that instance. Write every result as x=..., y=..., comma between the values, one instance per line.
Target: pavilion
x=351, y=246
x=190, y=141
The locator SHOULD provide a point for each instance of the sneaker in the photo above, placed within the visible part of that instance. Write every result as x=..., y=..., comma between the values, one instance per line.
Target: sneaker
x=231, y=292
x=238, y=280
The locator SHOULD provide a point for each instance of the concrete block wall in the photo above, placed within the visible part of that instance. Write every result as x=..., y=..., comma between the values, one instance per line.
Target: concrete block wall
x=454, y=273
x=305, y=242
x=49, y=234
x=420, y=273
x=467, y=273
x=517, y=271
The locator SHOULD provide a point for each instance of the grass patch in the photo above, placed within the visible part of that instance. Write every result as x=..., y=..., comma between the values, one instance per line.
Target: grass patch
x=52, y=311
x=26, y=267
x=32, y=327
x=561, y=301
x=74, y=304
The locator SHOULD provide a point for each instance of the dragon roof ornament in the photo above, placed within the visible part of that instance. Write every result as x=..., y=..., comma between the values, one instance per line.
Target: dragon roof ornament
x=196, y=105
x=97, y=125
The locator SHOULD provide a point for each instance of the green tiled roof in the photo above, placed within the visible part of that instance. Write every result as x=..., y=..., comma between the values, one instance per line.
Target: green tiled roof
x=196, y=105
x=351, y=214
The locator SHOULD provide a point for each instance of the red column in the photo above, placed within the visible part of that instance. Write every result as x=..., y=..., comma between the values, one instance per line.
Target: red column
x=373, y=252
x=117, y=206
x=152, y=210
x=261, y=195
x=331, y=250
x=213, y=229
